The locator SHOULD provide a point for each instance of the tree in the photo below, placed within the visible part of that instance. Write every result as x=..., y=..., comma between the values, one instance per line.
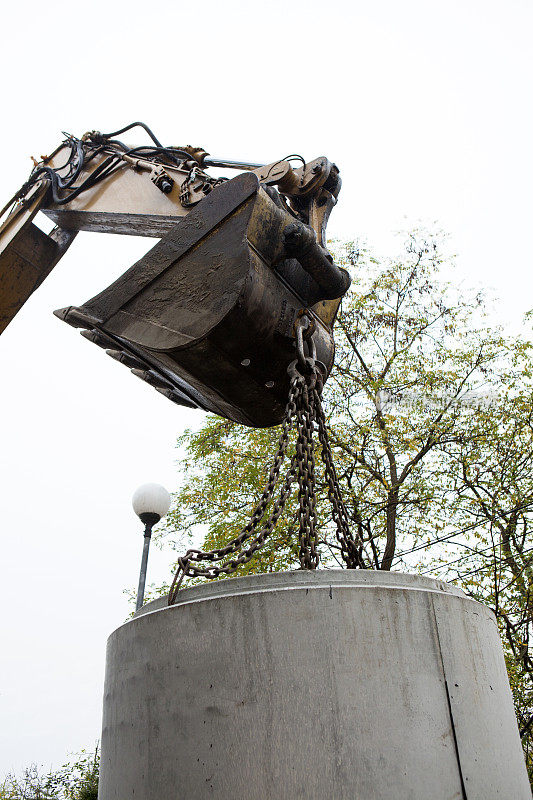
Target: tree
x=406, y=355
x=435, y=478
x=490, y=476
x=76, y=780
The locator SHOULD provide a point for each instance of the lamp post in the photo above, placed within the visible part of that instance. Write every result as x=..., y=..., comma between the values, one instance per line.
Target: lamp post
x=150, y=502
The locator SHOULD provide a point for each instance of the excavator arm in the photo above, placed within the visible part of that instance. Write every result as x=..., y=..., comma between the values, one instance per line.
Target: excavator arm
x=207, y=315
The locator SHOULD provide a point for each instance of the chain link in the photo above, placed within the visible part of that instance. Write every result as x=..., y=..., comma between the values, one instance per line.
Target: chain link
x=305, y=458
x=303, y=411
x=351, y=551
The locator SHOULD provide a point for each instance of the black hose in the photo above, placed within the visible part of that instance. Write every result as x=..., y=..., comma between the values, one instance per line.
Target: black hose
x=170, y=152
x=102, y=171
x=83, y=152
x=134, y=125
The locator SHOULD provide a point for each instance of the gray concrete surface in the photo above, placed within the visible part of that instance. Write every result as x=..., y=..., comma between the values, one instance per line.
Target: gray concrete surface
x=338, y=685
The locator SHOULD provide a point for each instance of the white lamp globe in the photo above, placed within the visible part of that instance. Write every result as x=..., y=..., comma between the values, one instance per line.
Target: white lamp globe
x=149, y=501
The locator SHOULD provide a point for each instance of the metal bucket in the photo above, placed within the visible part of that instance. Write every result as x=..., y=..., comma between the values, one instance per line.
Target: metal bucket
x=208, y=315
x=328, y=684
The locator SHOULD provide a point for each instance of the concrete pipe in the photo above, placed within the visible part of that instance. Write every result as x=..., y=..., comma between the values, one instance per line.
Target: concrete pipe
x=330, y=685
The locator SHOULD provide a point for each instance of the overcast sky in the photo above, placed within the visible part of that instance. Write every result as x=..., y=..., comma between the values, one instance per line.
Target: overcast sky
x=425, y=107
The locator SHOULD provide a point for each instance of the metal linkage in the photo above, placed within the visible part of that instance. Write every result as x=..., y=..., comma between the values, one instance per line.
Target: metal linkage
x=303, y=412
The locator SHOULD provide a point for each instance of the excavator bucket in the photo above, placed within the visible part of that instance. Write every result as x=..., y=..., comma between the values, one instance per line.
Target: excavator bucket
x=207, y=316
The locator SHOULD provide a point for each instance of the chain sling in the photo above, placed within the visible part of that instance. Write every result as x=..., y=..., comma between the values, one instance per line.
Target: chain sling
x=304, y=413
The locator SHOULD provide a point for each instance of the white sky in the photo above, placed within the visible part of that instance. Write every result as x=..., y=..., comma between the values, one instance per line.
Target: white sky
x=425, y=107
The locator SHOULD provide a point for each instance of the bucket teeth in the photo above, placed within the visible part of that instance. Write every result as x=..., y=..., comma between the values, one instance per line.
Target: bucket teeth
x=126, y=359
x=62, y=313
x=176, y=397
x=152, y=378
x=78, y=319
x=97, y=338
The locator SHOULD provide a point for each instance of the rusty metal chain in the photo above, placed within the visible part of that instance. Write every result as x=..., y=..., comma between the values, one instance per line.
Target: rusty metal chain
x=305, y=459
x=187, y=563
x=351, y=550
x=303, y=411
